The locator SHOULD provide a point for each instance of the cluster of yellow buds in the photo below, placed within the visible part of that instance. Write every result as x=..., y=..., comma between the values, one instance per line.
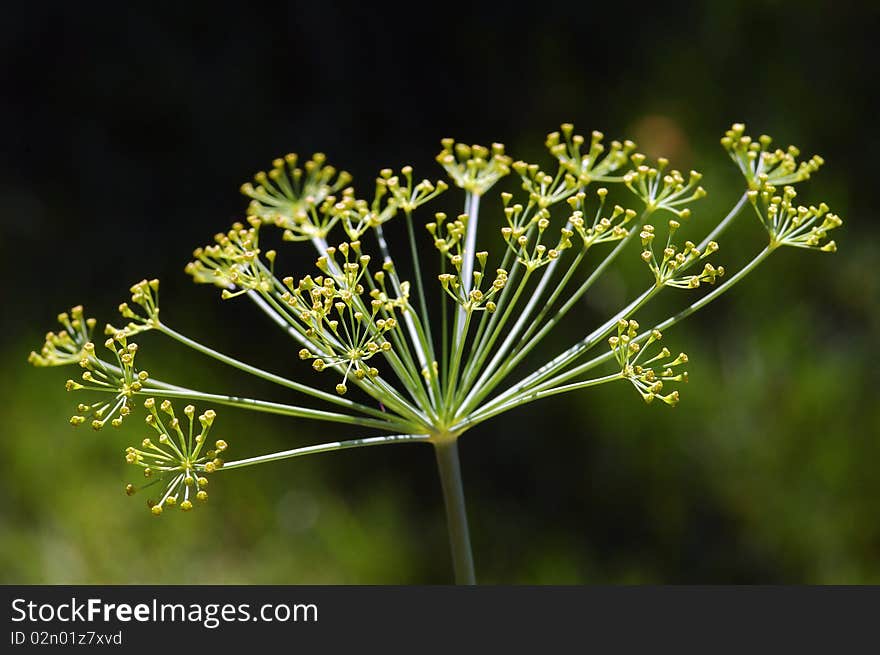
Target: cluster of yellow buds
x=122, y=380
x=448, y=235
x=65, y=346
x=474, y=168
x=407, y=195
x=233, y=262
x=381, y=299
x=345, y=329
x=356, y=215
x=594, y=165
x=393, y=193
x=524, y=238
x=761, y=165
x=179, y=461
x=659, y=189
x=476, y=299
x=348, y=348
x=669, y=268
x=603, y=229
x=289, y=196
x=544, y=189
x=647, y=375
x=311, y=299
x=794, y=225
x=350, y=271
x=144, y=294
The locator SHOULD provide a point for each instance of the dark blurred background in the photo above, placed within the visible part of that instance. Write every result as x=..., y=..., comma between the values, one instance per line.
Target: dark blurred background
x=126, y=134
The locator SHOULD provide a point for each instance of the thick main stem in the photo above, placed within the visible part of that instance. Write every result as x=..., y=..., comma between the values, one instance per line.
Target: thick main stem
x=456, y=513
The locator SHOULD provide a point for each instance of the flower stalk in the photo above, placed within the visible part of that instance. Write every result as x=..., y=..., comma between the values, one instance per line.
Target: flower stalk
x=449, y=468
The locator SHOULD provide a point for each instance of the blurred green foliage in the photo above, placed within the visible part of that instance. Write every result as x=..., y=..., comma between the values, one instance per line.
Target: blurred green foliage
x=766, y=472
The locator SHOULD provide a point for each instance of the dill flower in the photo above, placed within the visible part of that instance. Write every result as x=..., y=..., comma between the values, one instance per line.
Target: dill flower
x=233, y=262
x=179, y=459
x=394, y=193
x=602, y=229
x=295, y=197
x=448, y=235
x=121, y=381
x=66, y=346
x=646, y=375
x=659, y=189
x=669, y=269
x=543, y=188
x=432, y=371
x=528, y=244
x=474, y=168
x=144, y=294
x=343, y=329
x=476, y=299
x=761, y=165
x=789, y=224
x=597, y=163
x=407, y=195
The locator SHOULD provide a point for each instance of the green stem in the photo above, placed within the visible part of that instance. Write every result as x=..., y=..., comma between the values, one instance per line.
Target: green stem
x=421, y=354
x=485, y=346
x=483, y=387
x=458, y=351
x=444, y=316
x=264, y=307
x=533, y=381
x=725, y=222
x=280, y=408
x=326, y=448
x=480, y=416
x=456, y=513
x=510, y=338
x=271, y=377
x=530, y=343
x=420, y=286
x=472, y=210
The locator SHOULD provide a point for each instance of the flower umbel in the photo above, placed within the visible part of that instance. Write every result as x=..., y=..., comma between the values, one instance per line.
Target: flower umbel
x=474, y=168
x=602, y=229
x=670, y=267
x=344, y=328
x=428, y=370
x=649, y=375
x=477, y=298
x=760, y=165
x=289, y=196
x=794, y=225
x=65, y=347
x=179, y=459
x=122, y=381
x=596, y=164
x=661, y=190
x=144, y=294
